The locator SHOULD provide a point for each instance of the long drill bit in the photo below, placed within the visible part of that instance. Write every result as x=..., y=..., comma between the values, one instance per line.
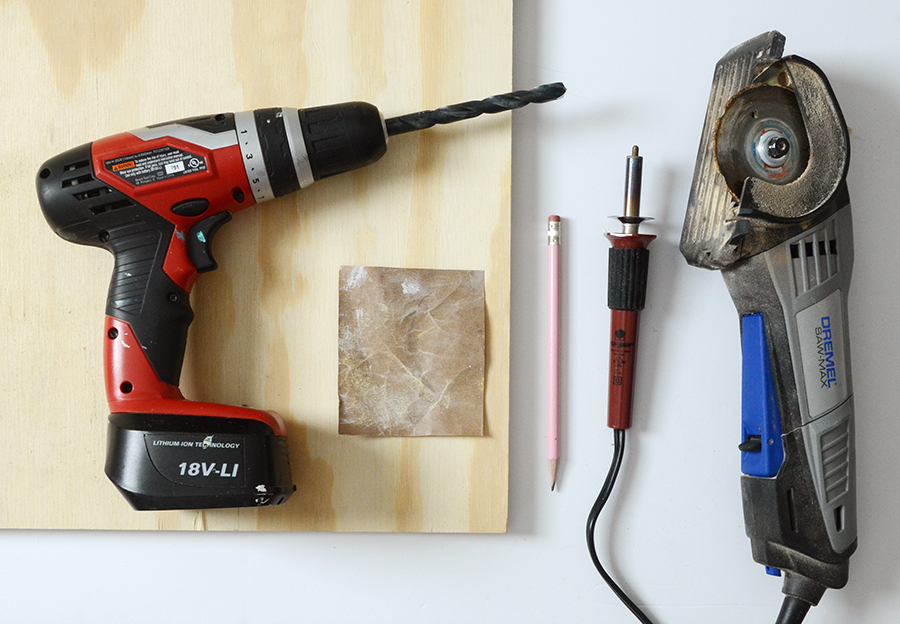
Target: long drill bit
x=467, y=110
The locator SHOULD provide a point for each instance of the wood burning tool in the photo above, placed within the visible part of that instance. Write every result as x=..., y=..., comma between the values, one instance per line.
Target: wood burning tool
x=629, y=262
x=769, y=207
x=155, y=197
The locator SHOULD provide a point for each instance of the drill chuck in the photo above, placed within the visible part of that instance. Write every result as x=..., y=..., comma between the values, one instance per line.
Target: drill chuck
x=342, y=137
x=286, y=149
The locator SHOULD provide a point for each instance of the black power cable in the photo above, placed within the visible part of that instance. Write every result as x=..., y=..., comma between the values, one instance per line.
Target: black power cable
x=606, y=490
x=793, y=610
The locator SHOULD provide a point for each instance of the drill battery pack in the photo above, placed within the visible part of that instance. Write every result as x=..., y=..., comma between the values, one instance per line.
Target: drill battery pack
x=160, y=461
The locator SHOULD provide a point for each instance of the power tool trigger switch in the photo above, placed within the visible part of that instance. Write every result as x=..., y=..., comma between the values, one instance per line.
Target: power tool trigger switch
x=753, y=444
x=761, y=450
x=199, y=241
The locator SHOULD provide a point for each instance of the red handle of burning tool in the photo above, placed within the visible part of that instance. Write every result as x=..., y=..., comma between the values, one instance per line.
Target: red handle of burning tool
x=627, y=290
x=622, y=349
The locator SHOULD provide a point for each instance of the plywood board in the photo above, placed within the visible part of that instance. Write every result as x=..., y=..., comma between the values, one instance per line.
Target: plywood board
x=265, y=332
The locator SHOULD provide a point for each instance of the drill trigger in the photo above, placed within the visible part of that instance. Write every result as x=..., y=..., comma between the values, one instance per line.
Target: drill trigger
x=199, y=241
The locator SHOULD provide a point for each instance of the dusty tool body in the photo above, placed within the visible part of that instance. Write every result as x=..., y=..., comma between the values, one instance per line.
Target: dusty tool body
x=155, y=197
x=769, y=207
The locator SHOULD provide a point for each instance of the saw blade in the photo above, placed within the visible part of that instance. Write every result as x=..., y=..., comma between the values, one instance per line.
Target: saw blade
x=773, y=155
x=761, y=135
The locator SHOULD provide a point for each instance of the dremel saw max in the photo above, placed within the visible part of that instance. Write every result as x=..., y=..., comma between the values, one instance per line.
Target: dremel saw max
x=769, y=208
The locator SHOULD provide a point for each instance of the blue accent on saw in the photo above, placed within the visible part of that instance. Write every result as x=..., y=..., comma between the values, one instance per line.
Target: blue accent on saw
x=761, y=451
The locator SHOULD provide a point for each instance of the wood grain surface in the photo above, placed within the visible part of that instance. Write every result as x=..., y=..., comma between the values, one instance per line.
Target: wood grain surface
x=265, y=332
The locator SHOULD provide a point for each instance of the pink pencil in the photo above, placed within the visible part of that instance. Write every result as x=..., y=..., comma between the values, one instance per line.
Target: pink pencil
x=553, y=227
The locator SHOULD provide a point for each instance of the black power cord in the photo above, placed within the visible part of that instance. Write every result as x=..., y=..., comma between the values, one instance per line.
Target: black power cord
x=793, y=610
x=606, y=490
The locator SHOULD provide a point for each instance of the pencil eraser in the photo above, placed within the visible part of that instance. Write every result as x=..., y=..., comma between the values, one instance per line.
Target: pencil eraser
x=553, y=218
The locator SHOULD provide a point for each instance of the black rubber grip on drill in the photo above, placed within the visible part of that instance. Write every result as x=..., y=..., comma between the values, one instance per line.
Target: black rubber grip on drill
x=143, y=295
x=276, y=151
x=627, y=282
x=342, y=137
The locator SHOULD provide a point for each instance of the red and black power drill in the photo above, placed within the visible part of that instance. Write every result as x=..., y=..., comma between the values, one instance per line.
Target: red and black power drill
x=154, y=198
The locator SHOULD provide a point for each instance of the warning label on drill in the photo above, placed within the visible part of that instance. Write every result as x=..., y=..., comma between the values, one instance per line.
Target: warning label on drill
x=154, y=165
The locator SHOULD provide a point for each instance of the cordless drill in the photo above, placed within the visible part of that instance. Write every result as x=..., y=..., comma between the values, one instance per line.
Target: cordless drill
x=155, y=197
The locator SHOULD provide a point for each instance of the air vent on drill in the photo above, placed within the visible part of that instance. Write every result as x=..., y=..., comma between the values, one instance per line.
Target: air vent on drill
x=82, y=179
x=78, y=206
x=90, y=192
x=78, y=165
x=814, y=258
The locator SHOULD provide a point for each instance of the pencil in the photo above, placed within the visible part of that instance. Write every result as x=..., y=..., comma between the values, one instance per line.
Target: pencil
x=553, y=235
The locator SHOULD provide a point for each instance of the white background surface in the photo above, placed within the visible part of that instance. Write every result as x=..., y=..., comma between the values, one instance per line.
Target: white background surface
x=637, y=73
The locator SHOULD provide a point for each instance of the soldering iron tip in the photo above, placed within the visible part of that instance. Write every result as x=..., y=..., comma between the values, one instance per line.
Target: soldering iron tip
x=634, y=151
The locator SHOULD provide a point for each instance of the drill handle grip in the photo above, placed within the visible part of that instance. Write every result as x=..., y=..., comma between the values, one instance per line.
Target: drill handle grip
x=83, y=209
x=146, y=328
x=141, y=294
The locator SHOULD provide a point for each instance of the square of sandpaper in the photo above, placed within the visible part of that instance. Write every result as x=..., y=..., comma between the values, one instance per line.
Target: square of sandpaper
x=411, y=352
